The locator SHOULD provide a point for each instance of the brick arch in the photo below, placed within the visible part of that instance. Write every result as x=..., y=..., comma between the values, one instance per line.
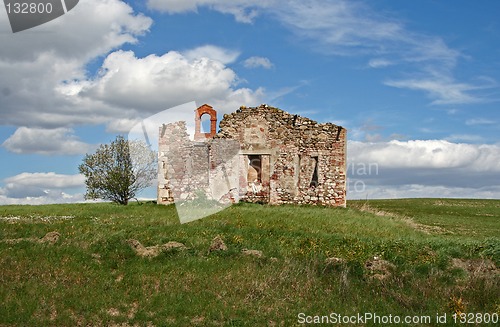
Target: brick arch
x=205, y=109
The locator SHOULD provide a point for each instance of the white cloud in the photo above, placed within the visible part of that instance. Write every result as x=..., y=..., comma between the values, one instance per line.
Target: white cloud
x=340, y=23
x=35, y=62
x=177, y=6
x=255, y=62
x=242, y=10
x=121, y=125
x=480, y=121
x=225, y=56
x=48, y=197
x=44, y=83
x=41, y=188
x=52, y=91
x=155, y=83
x=58, y=141
x=362, y=192
x=73, y=36
x=47, y=180
x=464, y=138
x=355, y=28
x=434, y=154
x=379, y=63
x=237, y=98
x=342, y=27
x=423, y=168
x=442, y=89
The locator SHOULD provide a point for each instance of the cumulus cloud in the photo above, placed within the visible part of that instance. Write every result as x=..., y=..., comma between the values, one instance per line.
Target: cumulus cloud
x=73, y=36
x=363, y=191
x=34, y=62
x=222, y=55
x=155, y=83
x=41, y=188
x=58, y=141
x=46, y=180
x=48, y=197
x=126, y=89
x=436, y=154
x=121, y=125
x=401, y=169
x=256, y=62
x=44, y=85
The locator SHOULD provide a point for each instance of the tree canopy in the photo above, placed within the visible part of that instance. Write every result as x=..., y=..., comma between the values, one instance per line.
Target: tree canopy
x=118, y=171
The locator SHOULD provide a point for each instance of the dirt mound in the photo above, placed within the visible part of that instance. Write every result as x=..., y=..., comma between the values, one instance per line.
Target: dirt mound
x=334, y=261
x=379, y=269
x=198, y=320
x=155, y=250
x=476, y=267
x=173, y=245
x=217, y=245
x=50, y=237
x=254, y=253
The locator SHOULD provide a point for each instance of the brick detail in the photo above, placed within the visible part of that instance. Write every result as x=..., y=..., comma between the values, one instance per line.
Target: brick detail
x=205, y=109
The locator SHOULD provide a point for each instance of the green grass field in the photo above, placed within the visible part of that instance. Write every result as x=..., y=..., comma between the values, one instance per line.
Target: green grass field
x=436, y=256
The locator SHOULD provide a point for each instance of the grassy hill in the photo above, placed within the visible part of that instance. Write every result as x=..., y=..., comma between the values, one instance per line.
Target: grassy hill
x=415, y=257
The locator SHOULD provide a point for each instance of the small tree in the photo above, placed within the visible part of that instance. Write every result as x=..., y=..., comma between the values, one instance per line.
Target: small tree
x=118, y=171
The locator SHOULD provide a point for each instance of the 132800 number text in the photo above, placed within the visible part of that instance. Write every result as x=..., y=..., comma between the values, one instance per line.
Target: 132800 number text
x=29, y=8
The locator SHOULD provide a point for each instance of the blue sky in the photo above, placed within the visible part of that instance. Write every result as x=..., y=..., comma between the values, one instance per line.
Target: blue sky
x=416, y=83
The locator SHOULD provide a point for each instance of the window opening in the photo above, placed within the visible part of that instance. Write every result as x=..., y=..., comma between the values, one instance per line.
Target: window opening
x=205, y=123
x=254, y=175
x=314, y=178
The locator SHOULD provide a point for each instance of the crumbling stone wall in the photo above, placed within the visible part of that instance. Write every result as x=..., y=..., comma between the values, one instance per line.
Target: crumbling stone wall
x=190, y=169
x=273, y=157
x=303, y=161
x=178, y=157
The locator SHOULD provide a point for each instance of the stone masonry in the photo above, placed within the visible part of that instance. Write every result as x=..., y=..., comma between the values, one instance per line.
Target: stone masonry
x=260, y=154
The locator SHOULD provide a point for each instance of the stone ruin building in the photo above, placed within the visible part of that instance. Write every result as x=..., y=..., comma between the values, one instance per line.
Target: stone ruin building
x=261, y=154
